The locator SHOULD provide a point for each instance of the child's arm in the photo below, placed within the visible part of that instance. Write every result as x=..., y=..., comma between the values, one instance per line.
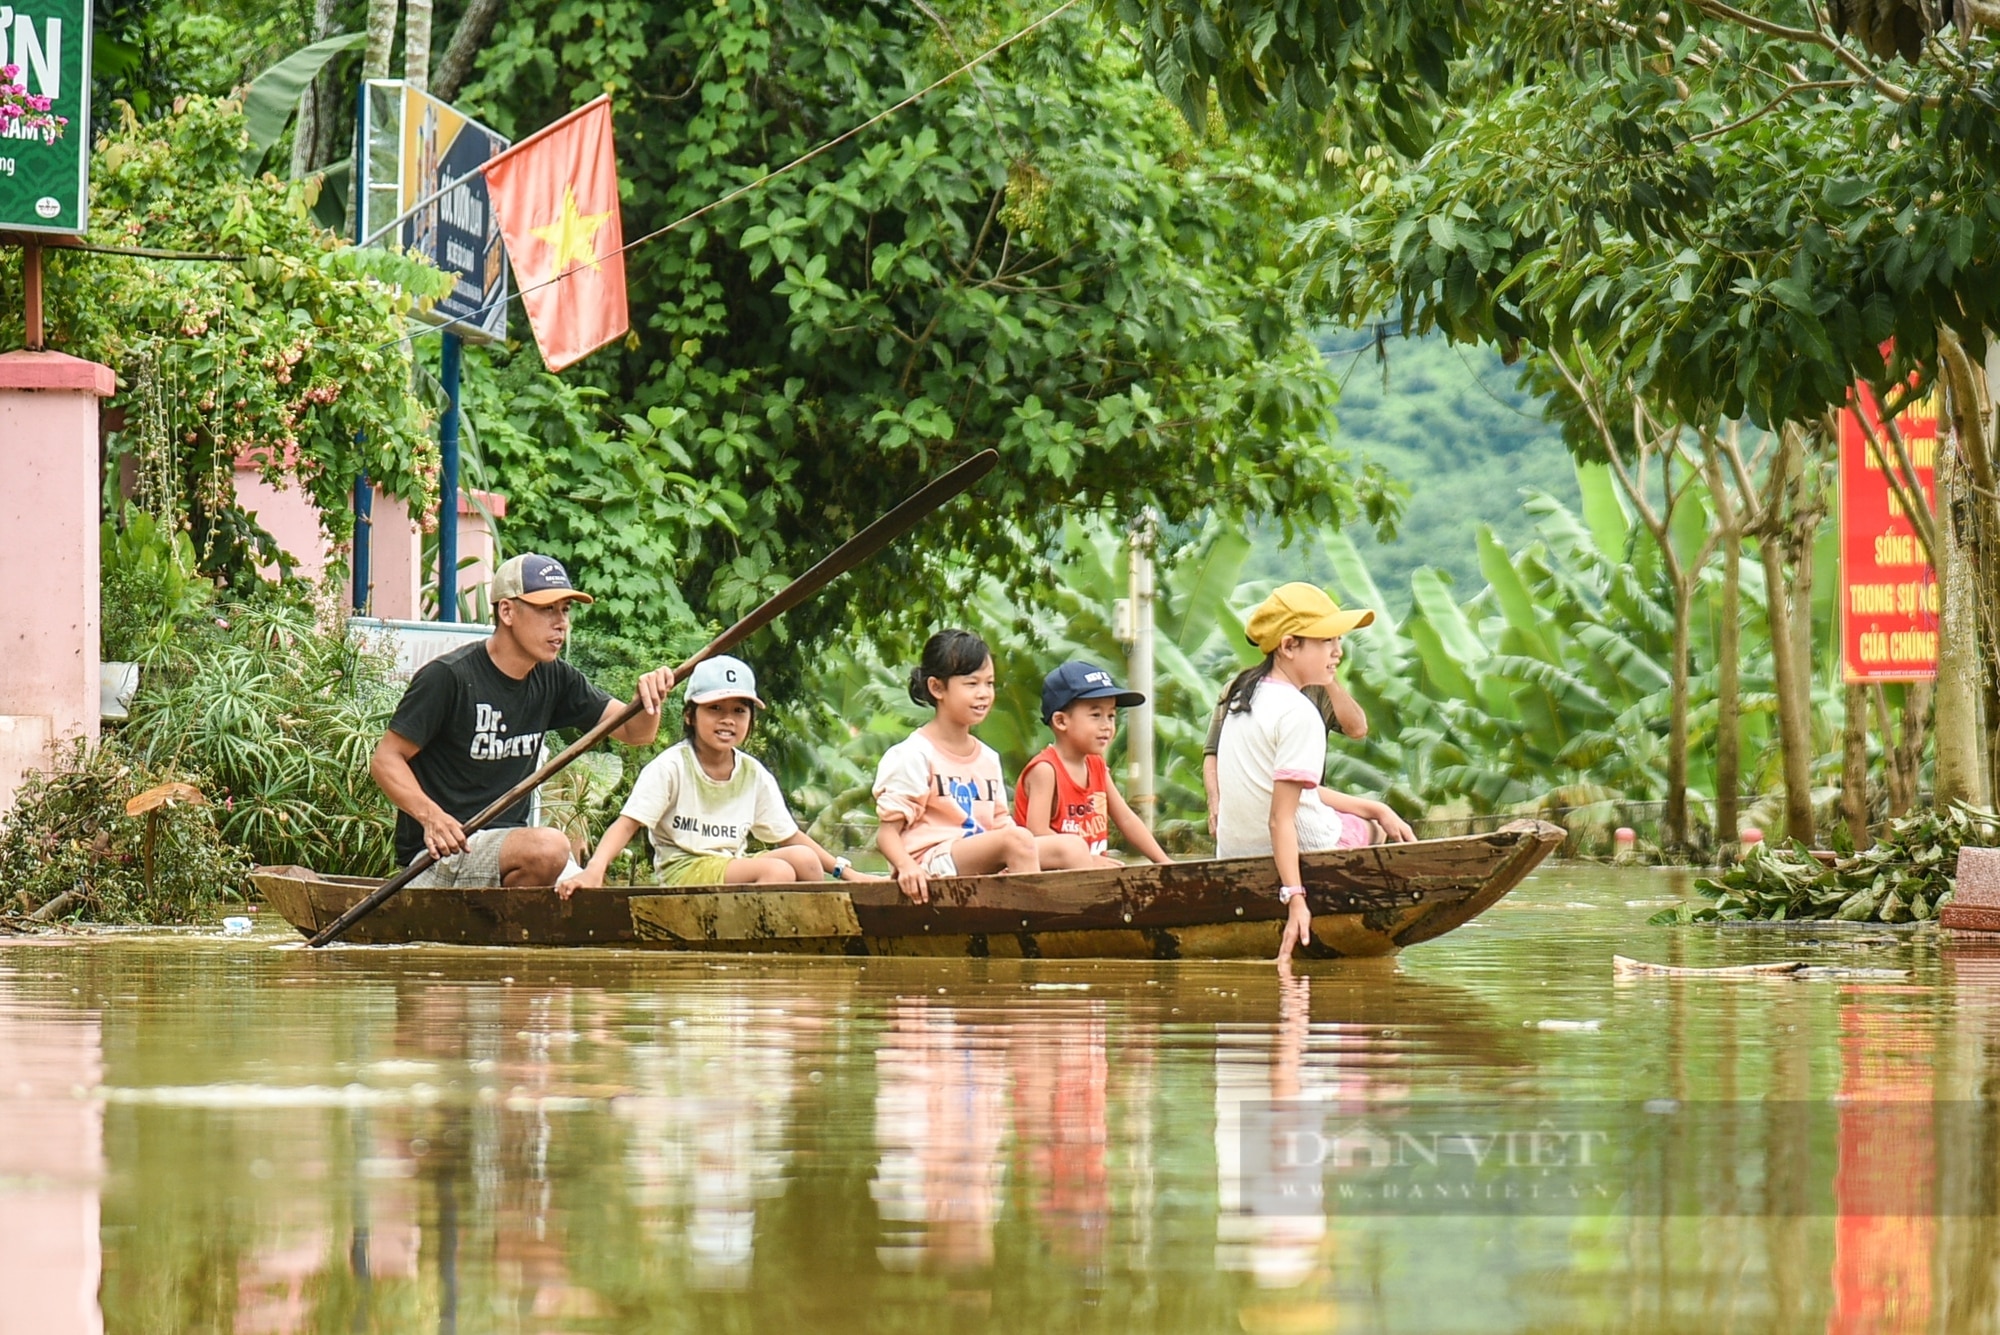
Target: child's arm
x=613, y=843
x=1347, y=712
x=1285, y=852
x=1039, y=783
x=1211, y=783
x=826, y=859
x=1211, y=767
x=909, y=876
x=1134, y=829
x=1394, y=826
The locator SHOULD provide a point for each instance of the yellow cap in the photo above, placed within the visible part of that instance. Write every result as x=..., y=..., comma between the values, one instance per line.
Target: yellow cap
x=1301, y=610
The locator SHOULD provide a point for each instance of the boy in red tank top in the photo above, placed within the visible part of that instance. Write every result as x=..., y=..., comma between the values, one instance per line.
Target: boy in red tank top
x=1067, y=788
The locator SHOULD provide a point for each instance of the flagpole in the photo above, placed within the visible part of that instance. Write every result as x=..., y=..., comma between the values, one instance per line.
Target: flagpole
x=480, y=170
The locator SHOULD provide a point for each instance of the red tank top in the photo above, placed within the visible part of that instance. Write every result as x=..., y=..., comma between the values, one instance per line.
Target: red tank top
x=1084, y=811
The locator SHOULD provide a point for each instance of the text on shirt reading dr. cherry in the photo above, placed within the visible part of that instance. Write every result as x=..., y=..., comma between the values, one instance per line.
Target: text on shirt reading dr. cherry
x=489, y=739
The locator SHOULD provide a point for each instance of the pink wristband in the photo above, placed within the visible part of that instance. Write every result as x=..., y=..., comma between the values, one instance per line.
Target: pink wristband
x=1286, y=893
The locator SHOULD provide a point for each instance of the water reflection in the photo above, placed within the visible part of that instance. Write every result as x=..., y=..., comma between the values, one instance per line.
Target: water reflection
x=940, y=1116
x=455, y=1140
x=51, y=1156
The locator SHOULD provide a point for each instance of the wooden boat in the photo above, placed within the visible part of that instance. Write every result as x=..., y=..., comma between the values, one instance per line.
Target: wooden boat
x=1365, y=901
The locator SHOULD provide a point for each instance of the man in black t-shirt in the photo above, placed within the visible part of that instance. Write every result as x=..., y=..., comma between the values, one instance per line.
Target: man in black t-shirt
x=471, y=725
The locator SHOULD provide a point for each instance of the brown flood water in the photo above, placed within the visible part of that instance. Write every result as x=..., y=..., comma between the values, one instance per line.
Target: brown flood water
x=210, y=1134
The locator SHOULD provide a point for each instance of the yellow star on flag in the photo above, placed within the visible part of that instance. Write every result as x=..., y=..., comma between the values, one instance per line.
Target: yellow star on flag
x=572, y=234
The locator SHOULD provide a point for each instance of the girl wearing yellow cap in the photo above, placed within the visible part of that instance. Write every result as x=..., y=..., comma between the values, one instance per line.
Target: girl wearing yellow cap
x=1273, y=752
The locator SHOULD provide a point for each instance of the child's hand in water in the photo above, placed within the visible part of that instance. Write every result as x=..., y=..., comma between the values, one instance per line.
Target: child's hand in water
x=1298, y=930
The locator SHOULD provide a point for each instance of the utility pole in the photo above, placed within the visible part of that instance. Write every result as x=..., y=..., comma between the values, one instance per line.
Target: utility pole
x=1139, y=667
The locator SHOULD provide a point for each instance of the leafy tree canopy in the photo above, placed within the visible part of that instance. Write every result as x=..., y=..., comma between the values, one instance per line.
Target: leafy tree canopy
x=286, y=347
x=1039, y=258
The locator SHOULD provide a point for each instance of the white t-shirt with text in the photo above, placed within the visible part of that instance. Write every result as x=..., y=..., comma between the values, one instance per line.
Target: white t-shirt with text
x=689, y=814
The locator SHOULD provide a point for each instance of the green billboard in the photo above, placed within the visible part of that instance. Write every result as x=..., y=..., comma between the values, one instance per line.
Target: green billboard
x=44, y=115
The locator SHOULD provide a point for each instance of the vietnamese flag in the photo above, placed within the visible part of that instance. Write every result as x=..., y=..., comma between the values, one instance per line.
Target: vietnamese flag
x=555, y=195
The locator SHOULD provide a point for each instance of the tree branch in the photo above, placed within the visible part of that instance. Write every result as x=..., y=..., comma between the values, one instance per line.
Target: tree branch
x=475, y=25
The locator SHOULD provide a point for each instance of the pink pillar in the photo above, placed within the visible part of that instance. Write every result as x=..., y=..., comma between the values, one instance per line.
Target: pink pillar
x=476, y=540
x=49, y=515
x=396, y=561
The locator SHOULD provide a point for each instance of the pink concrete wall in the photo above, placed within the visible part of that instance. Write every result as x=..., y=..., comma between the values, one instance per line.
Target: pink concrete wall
x=48, y=522
x=288, y=515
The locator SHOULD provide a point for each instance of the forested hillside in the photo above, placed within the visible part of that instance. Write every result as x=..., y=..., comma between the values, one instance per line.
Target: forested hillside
x=1450, y=425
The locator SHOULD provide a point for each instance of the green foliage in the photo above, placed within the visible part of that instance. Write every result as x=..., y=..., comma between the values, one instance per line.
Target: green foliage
x=1907, y=876
x=273, y=96
x=149, y=587
x=279, y=711
x=68, y=831
x=287, y=354
x=1548, y=687
x=1036, y=258
x=1453, y=425
x=1367, y=71
x=1735, y=220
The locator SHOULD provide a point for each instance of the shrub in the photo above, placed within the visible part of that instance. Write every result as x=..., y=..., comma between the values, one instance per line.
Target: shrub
x=280, y=710
x=68, y=832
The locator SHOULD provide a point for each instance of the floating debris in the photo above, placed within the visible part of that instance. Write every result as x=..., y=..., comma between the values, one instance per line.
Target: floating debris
x=1622, y=967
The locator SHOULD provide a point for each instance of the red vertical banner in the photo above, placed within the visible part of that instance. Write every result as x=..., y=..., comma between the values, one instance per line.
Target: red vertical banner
x=1888, y=591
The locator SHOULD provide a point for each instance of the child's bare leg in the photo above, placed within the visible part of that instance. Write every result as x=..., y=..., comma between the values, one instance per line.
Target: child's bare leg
x=1008, y=850
x=1065, y=852
x=804, y=862
x=764, y=869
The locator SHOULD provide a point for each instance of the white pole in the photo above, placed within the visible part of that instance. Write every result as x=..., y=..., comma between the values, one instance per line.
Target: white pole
x=1139, y=737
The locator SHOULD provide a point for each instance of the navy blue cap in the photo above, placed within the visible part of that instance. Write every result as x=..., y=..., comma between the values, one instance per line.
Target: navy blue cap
x=1075, y=681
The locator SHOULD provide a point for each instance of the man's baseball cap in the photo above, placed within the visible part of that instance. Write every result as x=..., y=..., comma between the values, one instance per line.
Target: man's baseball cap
x=722, y=678
x=1075, y=681
x=540, y=580
x=1301, y=610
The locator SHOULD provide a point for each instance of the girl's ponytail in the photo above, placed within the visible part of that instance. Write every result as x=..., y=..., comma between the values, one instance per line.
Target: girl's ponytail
x=1244, y=688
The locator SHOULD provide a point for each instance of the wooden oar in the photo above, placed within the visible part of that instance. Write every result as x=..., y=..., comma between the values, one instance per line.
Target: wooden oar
x=844, y=558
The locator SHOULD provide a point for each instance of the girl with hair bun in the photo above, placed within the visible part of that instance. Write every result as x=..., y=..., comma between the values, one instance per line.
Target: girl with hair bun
x=939, y=792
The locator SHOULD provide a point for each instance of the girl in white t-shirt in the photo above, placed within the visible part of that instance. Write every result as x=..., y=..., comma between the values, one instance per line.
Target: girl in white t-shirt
x=939, y=792
x=1273, y=752
x=702, y=800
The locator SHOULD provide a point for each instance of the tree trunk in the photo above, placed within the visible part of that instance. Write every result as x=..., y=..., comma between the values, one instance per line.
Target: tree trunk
x=381, y=39
x=1674, y=832
x=1895, y=781
x=1728, y=649
x=315, y=103
x=1854, y=768
x=417, y=44
x=375, y=54
x=467, y=40
x=1792, y=680
x=1728, y=702
x=1910, y=738
x=1961, y=762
